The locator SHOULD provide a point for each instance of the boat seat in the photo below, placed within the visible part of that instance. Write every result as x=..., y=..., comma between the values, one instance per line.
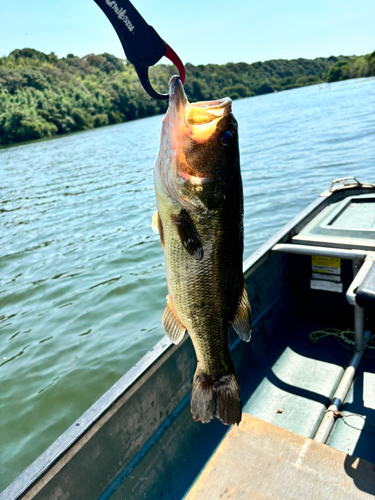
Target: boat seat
x=261, y=461
x=365, y=294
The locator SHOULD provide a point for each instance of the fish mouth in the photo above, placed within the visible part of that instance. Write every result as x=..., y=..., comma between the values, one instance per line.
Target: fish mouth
x=204, y=114
x=186, y=124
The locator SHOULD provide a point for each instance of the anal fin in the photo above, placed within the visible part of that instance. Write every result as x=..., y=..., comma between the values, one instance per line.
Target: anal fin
x=173, y=327
x=241, y=320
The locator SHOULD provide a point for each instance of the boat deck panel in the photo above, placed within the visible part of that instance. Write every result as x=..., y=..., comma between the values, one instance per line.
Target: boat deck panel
x=262, y=461
x=295, y=393
x=289, y=373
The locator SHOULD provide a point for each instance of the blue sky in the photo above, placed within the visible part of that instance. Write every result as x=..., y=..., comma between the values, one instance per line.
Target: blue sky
x=200, y=31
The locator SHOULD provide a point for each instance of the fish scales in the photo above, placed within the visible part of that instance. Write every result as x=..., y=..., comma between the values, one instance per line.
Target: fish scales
x=200, y=221
x=205, y=285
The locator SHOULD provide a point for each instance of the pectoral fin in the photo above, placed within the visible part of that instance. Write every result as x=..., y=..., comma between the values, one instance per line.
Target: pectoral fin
x=154, y=223
x=173, y=327
x=188, y=234
x=157, y=227
x=241, y=320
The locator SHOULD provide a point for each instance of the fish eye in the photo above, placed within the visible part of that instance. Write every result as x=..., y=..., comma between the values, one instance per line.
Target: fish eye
x=227, y=138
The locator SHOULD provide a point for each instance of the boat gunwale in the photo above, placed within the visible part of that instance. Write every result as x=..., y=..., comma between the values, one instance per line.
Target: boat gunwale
x=100, y=412
x=96, y=414
x=292, y=227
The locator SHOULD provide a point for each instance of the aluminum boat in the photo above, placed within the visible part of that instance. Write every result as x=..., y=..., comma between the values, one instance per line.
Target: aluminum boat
x=307, y=380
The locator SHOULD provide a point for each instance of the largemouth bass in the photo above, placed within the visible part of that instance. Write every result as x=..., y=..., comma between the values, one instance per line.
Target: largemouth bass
x=200, y=221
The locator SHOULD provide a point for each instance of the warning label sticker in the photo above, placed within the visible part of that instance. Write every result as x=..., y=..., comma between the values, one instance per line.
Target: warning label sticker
x=323, y=276
x=329, y=286
x=325, y=265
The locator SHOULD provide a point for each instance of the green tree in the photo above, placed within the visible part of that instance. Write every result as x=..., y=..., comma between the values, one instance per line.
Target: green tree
x=42, y=95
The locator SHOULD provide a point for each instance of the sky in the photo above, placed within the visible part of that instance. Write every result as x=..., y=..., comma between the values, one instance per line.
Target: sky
x=200, y=31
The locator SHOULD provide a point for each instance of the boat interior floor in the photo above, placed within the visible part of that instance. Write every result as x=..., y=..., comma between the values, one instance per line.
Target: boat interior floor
x=294, y=387
x=260, y=460
x=286, y=381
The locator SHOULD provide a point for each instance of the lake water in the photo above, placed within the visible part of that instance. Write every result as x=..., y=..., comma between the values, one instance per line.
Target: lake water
x=82, y=285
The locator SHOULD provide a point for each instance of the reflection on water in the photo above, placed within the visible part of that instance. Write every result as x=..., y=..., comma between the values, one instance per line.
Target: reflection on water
x=82, y=286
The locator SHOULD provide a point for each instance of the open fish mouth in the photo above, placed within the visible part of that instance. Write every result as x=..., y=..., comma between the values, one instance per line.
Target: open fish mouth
x=191, y=152
x=203, y=113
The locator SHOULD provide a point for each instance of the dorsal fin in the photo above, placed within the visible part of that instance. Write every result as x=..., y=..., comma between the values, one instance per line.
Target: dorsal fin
x=241, y=320
x=173, y=327
x=188, y=234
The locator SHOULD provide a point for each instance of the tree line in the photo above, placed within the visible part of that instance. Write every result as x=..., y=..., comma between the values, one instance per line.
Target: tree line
x=42, y=95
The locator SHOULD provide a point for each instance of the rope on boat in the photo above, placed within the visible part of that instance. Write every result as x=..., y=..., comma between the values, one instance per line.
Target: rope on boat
x=340, y=414
x=346, y=336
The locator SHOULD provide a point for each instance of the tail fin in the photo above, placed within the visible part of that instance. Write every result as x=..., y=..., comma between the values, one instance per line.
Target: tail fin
x=218, y=398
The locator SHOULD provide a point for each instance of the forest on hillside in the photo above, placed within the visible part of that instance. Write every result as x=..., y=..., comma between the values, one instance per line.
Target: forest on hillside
x=42, y=95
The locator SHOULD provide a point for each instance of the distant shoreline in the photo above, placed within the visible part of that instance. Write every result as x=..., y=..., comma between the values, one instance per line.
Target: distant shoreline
x=42, y=95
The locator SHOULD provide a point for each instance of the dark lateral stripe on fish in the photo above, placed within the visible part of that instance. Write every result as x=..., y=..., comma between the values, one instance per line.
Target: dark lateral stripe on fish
x=188, y=234
x=161, y=231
